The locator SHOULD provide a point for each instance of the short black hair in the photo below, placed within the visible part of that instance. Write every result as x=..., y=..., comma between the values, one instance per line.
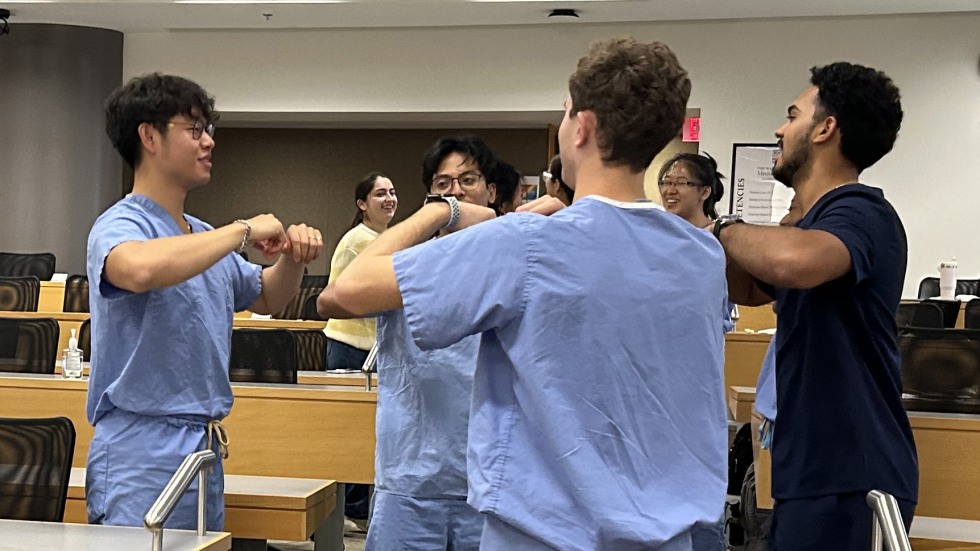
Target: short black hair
x=507, y=179
x=155, y=99
x=705, y=169
x=867, y=106
x=469, y=146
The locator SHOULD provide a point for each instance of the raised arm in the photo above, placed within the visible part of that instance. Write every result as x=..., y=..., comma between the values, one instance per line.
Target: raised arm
x=140, y=266
x=368, y=285
x=785, y=257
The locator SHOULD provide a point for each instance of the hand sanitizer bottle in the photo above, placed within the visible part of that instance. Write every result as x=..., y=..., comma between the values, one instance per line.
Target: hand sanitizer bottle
x=71, y=364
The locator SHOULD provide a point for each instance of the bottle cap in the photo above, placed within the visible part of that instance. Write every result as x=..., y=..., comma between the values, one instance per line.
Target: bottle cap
x=72, y=341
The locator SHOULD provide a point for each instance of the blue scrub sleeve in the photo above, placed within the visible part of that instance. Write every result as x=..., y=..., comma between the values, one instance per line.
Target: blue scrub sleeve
x=465, y=283
x=118, y=227
x=854, y=219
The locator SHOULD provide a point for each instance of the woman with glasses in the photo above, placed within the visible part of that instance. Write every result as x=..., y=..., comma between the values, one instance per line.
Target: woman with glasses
x=349, y=341
x=554, y=185
x=690, y=187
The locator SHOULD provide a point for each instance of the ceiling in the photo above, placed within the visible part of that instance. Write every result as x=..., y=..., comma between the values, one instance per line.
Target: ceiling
x=158, y=15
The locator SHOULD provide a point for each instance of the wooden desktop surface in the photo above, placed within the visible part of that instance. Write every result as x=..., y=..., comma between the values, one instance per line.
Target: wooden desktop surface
x=256, y=507
x=299, y=431
x=22, y=535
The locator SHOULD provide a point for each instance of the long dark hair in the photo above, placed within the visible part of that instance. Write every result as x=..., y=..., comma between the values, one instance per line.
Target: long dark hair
x=361, y=192
x=705, y=169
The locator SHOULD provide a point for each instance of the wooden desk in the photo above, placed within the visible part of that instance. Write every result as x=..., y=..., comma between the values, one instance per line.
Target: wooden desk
x=52, y=297
x=948, y=445
x=256, y=507
x=56, y=536
x=298, y=431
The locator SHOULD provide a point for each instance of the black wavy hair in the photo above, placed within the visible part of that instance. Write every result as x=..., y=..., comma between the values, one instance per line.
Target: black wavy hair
x=469, y=146
x=705, y=169
x=155, y=99
x=867, y=106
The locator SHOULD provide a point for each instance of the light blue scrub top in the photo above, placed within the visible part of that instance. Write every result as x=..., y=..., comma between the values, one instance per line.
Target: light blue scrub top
x=598, y=418
x=765, y=388
x=166, y=351
x=423, y=412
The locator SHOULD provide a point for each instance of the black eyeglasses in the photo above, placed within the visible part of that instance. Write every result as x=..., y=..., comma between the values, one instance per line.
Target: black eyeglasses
x=467, y=181
x=667, y=182
x=198, y=129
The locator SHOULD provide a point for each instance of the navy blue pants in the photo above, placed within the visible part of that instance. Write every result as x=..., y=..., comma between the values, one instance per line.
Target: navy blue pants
x=841, y=522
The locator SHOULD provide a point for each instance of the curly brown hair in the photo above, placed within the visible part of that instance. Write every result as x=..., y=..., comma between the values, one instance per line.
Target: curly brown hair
x=638, y=92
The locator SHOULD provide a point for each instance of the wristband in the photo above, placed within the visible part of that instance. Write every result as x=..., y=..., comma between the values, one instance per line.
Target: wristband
x=248, y=233
x=723, y=221
x=453, y=208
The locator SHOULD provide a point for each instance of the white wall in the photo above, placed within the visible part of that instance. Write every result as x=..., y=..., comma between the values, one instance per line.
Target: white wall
x=745, y=73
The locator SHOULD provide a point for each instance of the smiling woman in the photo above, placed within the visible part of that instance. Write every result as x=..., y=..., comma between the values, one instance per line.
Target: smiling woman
x=690, y=187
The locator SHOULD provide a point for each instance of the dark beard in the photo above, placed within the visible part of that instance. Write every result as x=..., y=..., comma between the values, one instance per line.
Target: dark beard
x=784, y=173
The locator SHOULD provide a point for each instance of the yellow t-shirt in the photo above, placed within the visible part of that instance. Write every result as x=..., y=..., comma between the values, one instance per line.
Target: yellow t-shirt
x=361, y=332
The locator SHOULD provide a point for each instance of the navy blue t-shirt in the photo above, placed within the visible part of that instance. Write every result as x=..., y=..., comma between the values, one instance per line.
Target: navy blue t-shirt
x=842, y=427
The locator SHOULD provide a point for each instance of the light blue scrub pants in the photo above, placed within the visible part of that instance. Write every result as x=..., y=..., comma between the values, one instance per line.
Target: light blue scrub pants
x=404, y=523
x=500, y=536
x=131, y=459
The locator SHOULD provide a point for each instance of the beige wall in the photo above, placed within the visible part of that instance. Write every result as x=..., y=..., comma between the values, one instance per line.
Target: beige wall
x=304, y=175
x=744, y=74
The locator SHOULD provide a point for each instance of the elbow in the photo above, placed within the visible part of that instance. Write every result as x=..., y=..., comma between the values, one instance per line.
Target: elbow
x=135, y=277
x=792, y=270
x=335, y=302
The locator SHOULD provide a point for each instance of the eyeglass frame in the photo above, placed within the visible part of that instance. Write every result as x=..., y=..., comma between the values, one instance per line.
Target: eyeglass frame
x=457, y=180
x=198, y=129
x=677, y=183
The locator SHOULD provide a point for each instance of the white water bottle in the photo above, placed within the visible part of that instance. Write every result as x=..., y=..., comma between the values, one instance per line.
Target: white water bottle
x=947, y=279
x=71, y=362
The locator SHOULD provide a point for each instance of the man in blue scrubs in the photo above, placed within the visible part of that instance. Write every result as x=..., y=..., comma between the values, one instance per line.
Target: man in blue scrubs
x=165, y=286
x=597, y=419
x=837, y=277
x=424, y=399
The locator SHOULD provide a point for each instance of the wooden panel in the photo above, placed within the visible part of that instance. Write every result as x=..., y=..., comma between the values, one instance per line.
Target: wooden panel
x=52, y=297
x=763, y=463
x=755, y=318
x=303, y=433
x=948, y=449
x=275, y=430
x=744, y=353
